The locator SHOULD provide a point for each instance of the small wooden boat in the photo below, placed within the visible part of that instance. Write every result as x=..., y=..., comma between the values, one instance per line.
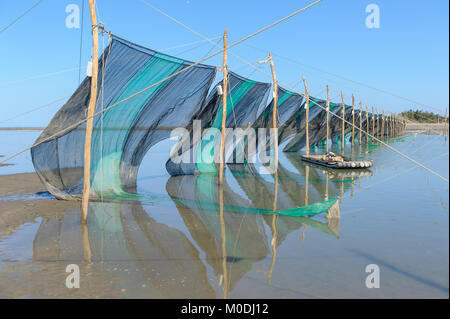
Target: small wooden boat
x=332, y=160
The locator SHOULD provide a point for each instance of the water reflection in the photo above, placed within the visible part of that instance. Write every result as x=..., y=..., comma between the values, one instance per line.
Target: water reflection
x=227, y=230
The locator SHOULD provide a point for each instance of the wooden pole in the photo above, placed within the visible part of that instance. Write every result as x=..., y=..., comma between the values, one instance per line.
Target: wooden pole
x=307, y=116
x=373, y=121
x=378, y=123
x=353, y=118
x=274, y=230
x=328, y=118
x=274, y=110
x=224, y=107
x=224, y=246
x=382, y=125
x=306, y=185
x=360, y=122
x=390, y=124
x=343, y=122
x=90, y=115
x=367, y=124
x=274, y=206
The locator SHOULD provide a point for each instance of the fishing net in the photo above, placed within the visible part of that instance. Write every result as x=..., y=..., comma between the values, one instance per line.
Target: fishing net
x=297, y=125
x=127, y=128
x=199, y=154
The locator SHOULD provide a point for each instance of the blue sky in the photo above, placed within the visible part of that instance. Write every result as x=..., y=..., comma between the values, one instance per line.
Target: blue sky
x=408, y=55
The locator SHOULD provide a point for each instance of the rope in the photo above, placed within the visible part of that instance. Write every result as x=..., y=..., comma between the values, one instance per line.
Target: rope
x=348, y=79
x=39, y=76
x=189, y=43
x=34, y=109
x=403, y=172
x=159, y=82
x=256, y=68
x=19, y=17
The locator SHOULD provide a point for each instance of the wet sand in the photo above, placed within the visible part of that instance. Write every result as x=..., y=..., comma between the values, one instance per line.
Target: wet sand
x=395, y=217
x=20, y=205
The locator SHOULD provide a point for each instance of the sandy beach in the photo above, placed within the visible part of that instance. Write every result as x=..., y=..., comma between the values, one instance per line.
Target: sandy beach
x=20, y=204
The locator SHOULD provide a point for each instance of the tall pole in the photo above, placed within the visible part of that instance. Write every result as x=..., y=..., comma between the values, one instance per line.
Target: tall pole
x=224, y=246
x=378, y=123
x=307, y=116
x=275, y=197
x=343, y=122
x=90, y=115
x=360, y=122
x=275, y=109
x=224, y=107
x=390, y=124
x=373, y=121
x=353, y=118
x=328, y=117
x=382, y=125
x=367, y=124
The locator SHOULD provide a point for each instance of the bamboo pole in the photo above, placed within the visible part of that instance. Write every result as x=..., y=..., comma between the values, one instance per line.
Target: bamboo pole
x=86, y=244
x=382, y=125
x=378, y=123
x=373, y=121
x=343, y=122
x=224, y=246
x=367, y=124
x=275, y=198
x=360, y=122
x=395, y=125
x=307, y=116
x=390, y=124
x=275, y=110
x=90, y=119
x=353, y=118
x=306, y=185
x=328, y=118
x=274, y=230
x=388, y=128
x=224, y=107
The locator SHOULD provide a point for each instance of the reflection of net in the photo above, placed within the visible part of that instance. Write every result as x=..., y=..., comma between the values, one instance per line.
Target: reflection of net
x=124, y=133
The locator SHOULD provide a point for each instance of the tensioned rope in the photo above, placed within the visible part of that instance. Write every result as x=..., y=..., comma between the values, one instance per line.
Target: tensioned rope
x=39, y=76
x=34, y=109
x=403, y=172
x=20, y=16
x=287, y=86
x=158, y=82
x=297, y=62
x=347, y=79
x=33, y=77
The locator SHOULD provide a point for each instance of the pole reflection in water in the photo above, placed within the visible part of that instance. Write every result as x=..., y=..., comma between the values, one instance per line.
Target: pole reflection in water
x=223, y=233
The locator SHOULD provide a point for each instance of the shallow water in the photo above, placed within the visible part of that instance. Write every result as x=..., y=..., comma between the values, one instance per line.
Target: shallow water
x=174, y=243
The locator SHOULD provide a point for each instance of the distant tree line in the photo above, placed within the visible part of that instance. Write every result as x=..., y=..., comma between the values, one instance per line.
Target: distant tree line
x=422, y=116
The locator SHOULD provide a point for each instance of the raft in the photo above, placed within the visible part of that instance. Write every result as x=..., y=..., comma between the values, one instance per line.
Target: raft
x=331, y=160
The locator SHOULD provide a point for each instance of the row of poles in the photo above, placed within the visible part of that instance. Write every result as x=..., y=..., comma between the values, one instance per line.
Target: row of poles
x=389, y=122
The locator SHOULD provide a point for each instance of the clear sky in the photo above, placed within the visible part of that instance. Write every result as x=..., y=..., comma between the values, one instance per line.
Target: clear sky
x=407, y=55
